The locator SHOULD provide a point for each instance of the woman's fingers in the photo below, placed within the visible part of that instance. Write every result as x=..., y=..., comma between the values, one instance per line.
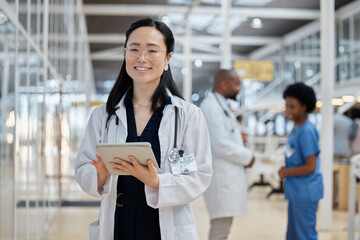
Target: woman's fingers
x=99, y=158
x=147, y=174
x=134, y=161
x=151, y=166
x=124, y=166
x=95, y=163
x=149, y=163
x=135, y=168
x=99, y=163
x=121, y=169
x=123, y=162
x=100, y=166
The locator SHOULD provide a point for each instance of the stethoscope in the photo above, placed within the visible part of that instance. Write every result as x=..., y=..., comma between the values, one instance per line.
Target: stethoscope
x=218, y=101
x=175, y=154
x=225, y=112
x=110, y=117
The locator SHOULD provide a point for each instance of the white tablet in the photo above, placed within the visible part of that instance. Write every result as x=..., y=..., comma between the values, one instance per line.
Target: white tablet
x=140, y=150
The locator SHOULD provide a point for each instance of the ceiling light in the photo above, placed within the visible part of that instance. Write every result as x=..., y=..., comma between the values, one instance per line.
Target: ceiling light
x=348, y=98
x=297, y=64
x=256, y=23
x=166, y=20
x=10, y=138
x=319, y=104
x=3, y=18
x=195, y=97
x=337, y=101
x=184, y=71
x=10, y=121
x=252, y=3
x=198, y=63
x=341, y=49
x=309, y=72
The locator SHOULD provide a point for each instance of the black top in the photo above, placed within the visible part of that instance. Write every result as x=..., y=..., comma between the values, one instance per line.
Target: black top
x=134, y=219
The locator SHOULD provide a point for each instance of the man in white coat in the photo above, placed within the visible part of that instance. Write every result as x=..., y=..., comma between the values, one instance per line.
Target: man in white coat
x=227, y=193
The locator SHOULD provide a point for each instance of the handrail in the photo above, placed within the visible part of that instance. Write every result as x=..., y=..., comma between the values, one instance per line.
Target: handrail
x=313, y=80
x=269, y=88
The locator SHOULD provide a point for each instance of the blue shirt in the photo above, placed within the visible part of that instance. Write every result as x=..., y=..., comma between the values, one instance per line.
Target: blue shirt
x=342, y=131
x=223, y=99
x=303, y=142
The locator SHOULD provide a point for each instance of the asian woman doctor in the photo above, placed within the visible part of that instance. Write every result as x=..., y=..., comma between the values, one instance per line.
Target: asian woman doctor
x=146, y=106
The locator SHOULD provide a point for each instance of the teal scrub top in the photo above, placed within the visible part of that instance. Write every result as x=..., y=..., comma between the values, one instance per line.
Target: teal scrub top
x=303, y=143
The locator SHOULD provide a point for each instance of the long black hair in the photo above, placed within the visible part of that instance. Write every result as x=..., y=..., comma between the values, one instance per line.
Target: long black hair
x=124, y=82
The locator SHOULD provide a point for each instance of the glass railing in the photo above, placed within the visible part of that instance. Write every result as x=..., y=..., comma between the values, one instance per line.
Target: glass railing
x=36, y=111
x=298, y=59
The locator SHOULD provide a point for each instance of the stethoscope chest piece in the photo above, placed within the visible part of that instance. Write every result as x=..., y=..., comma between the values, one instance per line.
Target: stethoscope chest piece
x=174, y=156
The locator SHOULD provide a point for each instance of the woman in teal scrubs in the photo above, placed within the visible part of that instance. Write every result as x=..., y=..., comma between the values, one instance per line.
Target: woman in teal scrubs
x=303, y=179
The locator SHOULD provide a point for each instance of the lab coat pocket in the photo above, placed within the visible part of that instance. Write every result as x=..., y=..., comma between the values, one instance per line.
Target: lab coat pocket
x=94, y=229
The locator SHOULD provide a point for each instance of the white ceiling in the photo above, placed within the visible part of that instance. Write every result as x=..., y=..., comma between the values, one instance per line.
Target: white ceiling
x=108, y=20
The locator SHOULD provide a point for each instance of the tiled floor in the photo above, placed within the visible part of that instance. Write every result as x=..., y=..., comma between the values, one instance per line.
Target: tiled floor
x=266, y=219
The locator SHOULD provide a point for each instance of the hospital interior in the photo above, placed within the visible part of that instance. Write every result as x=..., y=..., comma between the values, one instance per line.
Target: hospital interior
x=59, y=59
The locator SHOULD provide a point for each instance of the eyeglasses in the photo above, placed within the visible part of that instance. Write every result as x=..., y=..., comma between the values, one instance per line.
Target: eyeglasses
x=150, y=53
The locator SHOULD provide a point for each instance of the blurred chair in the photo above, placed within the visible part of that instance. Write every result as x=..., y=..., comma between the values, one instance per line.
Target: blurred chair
x=278, y=159
x=269, y=157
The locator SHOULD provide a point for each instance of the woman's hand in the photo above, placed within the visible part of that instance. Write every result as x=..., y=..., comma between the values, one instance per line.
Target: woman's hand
x=146, y=174
x=251, y=163
x=102, y=172
x=281, y=172
x=308, y=168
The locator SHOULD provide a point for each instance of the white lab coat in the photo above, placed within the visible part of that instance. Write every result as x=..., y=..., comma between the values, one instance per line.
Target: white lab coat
x=227, y=193
x=175, y=191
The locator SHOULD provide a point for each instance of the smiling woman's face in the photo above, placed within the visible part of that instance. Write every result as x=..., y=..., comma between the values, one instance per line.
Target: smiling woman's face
x=295, y=110
x=146, y=56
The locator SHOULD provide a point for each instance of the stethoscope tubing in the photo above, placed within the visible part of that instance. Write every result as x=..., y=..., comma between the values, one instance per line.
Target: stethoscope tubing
x=175, y=132
x=176, y=126
x=218, y=101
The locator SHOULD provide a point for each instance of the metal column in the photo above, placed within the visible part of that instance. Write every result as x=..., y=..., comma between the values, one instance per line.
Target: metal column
x=187, y=83
x=327, y=90
x=226, y=44
x=4, y=91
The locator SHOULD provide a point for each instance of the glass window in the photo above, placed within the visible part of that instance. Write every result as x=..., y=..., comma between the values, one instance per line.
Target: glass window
x=344, y=47
x=356, y=46
x=7, y=129
x=280, y=125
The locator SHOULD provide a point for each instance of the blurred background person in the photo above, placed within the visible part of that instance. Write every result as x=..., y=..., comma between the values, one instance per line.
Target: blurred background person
x=342, y=131
x=355, y=132
x=303, y=179
x=227, y=194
